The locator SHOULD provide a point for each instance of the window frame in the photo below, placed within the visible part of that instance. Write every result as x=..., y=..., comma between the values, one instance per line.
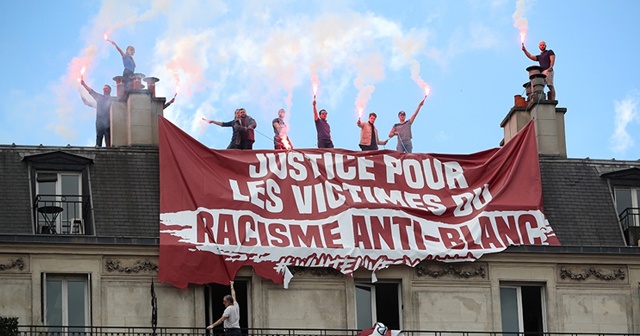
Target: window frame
x=62, y=162
x=65, y=278
x=59, y=196
x=373, y=301
x=520, y=302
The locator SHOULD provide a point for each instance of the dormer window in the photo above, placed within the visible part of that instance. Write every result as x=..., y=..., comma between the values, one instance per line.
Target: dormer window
x=59, y=202
x=626, y=191
x=60, y=192
x=628, y=208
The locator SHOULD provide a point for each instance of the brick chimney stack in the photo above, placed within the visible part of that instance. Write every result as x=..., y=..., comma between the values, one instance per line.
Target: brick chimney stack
x=548, y=119
x=134, y=113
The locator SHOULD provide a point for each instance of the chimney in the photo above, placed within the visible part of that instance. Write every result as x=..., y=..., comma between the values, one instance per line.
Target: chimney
x=134, y=116
x=548, y=119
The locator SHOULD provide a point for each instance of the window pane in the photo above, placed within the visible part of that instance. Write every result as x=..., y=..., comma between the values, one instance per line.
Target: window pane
x=76, y=298
x=54, y=302
x=70, y=185
x=363, y=307
x=47, y=188
x=509, y=310
x=70, y=189
x=623, y=200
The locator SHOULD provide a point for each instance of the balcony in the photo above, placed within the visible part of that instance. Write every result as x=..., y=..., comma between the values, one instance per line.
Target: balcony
x=61, y=214
x=171, y=331
x=630, y=221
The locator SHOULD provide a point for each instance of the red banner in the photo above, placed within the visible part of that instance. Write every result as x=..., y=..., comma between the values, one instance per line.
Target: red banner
x=222, y=209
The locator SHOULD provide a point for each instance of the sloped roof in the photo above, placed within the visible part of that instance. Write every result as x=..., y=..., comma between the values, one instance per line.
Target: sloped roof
x=125, y=194
x=578, y=201
x=125, y=190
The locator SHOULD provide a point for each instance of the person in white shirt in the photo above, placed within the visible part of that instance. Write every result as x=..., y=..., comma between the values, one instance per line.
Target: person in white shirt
x=231, y=315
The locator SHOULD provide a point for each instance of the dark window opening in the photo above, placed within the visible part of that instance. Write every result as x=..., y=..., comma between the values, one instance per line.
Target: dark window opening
x=213, y=294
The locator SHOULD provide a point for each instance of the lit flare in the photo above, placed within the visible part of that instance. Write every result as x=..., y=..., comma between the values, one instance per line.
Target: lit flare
x=522, y=36
x=285, y=142
x=427, y=90
x=84, y=68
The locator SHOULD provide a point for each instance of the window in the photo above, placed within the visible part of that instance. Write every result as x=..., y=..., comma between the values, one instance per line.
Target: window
x=59, y=202
x=213, y=294
x=628, y=206
x=66, y=302
x=522, y=309
x=378, y=302
x=60, y=192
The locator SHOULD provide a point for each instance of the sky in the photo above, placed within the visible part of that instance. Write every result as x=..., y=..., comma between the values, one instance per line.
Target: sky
x=375, y=55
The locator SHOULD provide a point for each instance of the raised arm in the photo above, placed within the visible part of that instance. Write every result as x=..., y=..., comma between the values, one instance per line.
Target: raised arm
x=233, y=292
x=359, y=123
x=415, y=114
x=315, y=110
x=531, y=57
x=86, y=86
x=167, y=104
x=119, y=50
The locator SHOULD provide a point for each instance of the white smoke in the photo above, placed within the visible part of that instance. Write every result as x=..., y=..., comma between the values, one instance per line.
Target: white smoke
x=626, y=112
x=519, y=19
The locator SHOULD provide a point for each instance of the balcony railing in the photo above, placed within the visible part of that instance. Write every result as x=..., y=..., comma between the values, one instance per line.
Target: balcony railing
x=630, y=217
x=61, y=214
x=171, y=331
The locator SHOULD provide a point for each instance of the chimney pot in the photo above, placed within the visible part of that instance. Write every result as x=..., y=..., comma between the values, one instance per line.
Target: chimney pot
x=151, y=84
x=137, y=81
x=534, y=69
x=527, y=87
x=119, y=86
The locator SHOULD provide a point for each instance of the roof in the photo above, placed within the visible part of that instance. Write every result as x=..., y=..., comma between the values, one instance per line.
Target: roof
x=578, y=201
x=125, y=190
x=125, y=193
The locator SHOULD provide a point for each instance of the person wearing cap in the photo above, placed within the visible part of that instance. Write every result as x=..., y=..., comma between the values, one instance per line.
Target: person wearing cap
x=547, y=59
x=369, y=134
x=403, y=130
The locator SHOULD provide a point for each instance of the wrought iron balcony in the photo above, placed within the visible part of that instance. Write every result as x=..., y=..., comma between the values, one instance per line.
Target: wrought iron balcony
x=61, y=214
x=630, y=217
x=171, y=331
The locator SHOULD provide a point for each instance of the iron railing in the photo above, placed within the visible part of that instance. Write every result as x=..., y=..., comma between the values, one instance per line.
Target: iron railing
x=61, y=214
x=630, y=217
x=178, y=331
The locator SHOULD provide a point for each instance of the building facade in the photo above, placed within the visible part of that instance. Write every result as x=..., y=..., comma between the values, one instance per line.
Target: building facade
x=79, y=246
